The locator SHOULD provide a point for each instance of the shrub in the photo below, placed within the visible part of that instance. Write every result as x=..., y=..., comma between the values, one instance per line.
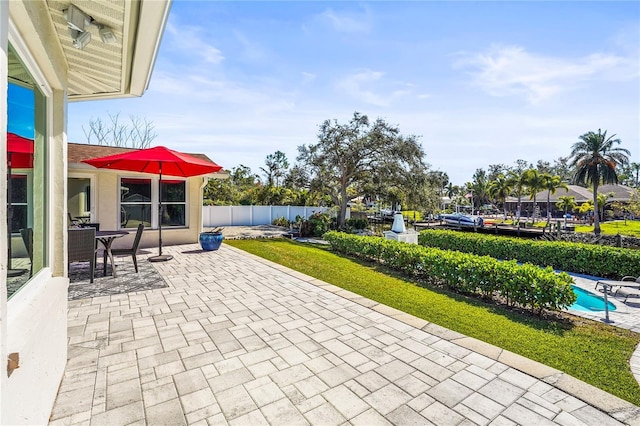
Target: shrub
x=358, y=223
x=281, y=221
x=316, y=225
x=602, y=261
x=527, y=285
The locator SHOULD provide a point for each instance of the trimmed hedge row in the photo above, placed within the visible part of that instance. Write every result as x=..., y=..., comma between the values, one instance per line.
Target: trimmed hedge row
x=525, y=285
x=601, y=261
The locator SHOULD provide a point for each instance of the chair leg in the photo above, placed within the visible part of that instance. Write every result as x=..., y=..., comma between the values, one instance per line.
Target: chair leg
x=92, y=268
x=135, y=262
x=104, y=263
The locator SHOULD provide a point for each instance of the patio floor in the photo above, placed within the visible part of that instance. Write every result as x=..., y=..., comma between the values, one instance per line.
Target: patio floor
x=235, y=339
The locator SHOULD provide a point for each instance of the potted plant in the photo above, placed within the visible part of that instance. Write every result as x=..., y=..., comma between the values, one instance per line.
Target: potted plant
x=211, y=240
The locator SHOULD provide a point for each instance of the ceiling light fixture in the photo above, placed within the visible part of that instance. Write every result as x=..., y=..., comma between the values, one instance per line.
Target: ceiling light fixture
x=76, y=19
x=106, y=34
x=79, y=23
x=80, y=39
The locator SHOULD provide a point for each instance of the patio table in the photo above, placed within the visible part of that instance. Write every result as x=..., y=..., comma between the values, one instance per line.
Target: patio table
x=107, y=238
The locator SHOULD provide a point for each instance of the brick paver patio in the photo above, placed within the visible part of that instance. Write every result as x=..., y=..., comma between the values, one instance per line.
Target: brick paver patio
x=238, y=340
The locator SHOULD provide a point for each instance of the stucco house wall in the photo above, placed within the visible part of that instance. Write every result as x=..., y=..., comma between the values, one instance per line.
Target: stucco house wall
x=105, y=197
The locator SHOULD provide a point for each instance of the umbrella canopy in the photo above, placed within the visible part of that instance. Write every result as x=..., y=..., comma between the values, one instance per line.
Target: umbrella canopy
x=19, y=155
x=20, y=151
x=156, y=160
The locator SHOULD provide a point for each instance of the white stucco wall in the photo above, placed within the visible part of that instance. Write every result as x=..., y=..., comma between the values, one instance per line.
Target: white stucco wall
x=37, y=330
x=34, y=321
x=107, y=208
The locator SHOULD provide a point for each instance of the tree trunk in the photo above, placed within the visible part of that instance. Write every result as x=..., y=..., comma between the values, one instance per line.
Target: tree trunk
x=548, y=204
x=535, y=204
x=342, y=220
x=596, y=213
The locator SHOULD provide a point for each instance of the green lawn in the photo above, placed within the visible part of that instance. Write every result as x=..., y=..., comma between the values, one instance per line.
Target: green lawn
x=410, y=214
x=593, y=352
x=631, y=228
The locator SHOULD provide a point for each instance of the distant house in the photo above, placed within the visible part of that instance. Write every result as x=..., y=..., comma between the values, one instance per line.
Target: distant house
x=581, y=194
x=120, y=200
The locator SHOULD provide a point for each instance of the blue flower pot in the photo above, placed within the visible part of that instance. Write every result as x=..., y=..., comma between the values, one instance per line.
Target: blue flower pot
x=210, y=240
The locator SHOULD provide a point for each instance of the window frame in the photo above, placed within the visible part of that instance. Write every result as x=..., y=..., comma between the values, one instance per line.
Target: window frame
x=155, y=196
x=177, y=203
x=43, y=131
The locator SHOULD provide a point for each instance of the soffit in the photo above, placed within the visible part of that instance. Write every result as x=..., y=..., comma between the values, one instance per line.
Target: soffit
x=99, y=68
x=16, y=71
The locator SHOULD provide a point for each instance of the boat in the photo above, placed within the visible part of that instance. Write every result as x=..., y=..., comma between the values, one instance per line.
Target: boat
x=460, y=219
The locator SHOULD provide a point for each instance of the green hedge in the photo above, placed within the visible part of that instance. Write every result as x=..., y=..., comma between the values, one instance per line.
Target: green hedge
x=525, y=285
x=601, y=261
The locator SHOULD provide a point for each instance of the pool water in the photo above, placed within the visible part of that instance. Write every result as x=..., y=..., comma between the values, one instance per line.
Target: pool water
x=589, y=302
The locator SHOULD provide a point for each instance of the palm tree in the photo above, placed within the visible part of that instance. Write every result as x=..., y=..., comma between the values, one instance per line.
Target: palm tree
x=535, y=184
x=500, y=189
x=635, y=168
x=450, y=190
x=519, y=187
x=551, y=184
x=566, y=203
x=595, y=159
x=602, y=201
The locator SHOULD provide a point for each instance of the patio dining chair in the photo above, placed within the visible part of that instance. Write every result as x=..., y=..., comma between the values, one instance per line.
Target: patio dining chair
x=81, y=247
x=72, y=222
x=128, y=251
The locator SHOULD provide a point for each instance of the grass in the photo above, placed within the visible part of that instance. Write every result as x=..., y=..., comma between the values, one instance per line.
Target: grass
x=410, y=214
x=631, y=228
x=593, y=352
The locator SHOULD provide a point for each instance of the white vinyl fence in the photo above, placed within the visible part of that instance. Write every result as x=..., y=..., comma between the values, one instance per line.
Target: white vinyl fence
x=213, y=216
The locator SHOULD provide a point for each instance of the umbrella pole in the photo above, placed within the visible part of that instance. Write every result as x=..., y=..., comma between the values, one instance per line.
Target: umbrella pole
x=160, y=257
x=10, y=272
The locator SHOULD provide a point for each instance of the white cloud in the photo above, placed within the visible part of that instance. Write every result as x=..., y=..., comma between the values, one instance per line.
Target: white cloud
x=191, y=39
x=370, y=87
x=348, y=22
x=200, y=88
x=251, y=51
x=308, y=77
x=511, y=70
x=358, y=86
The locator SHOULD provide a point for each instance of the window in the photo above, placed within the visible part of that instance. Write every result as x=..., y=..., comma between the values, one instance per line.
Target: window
x=135, y=202
x=138, y=201
x=172, y=194
x=27, y=205
x=18, y=210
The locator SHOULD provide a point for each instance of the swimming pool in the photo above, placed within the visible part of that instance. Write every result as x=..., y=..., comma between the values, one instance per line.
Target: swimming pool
x=589, y=302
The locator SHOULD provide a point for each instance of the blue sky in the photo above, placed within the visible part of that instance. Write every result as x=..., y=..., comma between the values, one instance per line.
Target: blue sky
x=480, y=82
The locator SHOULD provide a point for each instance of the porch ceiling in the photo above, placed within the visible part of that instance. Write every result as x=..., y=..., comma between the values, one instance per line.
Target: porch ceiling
x=110, y=70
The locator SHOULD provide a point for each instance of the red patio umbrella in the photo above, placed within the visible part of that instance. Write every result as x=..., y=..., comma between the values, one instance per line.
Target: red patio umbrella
x=19, y=155
x=19, y=152
x=157, y=160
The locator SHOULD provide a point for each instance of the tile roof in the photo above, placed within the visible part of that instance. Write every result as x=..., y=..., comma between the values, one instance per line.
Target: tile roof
x=76, y=152
x=581, y=194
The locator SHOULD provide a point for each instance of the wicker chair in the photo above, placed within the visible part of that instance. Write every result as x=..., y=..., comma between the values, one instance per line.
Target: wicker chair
x=72, y=222
x=127, y=251
x=81, y=247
